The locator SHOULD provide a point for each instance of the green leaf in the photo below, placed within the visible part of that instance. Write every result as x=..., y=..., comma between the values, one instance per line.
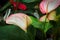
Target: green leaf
x=12, y=32
x=31, y=32
x=47, y=27
x=41, y=25
x=35, y=22
x=28, y=1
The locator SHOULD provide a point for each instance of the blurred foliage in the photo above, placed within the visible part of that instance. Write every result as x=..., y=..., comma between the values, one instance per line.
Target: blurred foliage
x=12, y=32
x=44, y=26
x=36, y=29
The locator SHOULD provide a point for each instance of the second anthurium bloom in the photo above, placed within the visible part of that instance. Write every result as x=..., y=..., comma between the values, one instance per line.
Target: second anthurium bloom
x=51, y=16
x=47, y=6
x=19, y=19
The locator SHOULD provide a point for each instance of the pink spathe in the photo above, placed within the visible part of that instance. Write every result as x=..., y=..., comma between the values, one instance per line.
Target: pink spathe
x=47, y=6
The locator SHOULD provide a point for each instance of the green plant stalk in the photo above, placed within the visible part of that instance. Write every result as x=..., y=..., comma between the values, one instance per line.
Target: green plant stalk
x=46, y=17
x=45, y=26
x=5, y=6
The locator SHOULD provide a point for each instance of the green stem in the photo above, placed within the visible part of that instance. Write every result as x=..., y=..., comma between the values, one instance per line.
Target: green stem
x=46, y=17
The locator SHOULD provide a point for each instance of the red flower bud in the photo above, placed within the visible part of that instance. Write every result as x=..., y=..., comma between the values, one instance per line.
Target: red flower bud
x=18, y=5
x=22, y=6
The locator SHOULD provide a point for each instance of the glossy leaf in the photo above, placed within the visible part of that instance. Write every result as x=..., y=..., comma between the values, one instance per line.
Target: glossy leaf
x=44, y=26
x=12, y=32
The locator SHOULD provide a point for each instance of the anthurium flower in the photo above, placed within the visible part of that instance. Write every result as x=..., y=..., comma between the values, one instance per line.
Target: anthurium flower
x=47, y=6
x=51, y=16
x=18, y=5
x=19, y=19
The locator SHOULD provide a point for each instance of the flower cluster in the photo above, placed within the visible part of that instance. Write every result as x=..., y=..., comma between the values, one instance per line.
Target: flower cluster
x=22, y=20
x=48, y=6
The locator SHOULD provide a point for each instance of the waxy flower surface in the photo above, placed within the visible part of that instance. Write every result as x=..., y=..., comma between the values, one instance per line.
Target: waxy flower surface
x=19, y=19
x=47, y=6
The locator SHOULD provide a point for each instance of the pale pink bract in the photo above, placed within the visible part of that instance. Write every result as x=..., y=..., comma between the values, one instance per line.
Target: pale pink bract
x=47, y=6
x=19, y=19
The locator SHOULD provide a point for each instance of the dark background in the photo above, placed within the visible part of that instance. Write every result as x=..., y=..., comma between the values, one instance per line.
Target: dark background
x=2, y=2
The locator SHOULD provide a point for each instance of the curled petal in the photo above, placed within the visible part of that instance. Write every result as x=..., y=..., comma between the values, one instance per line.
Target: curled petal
x=47, y=6
x=53, y=5
x=20, y=20
x=43, y=7
x=52, y=15
x=44, y=18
